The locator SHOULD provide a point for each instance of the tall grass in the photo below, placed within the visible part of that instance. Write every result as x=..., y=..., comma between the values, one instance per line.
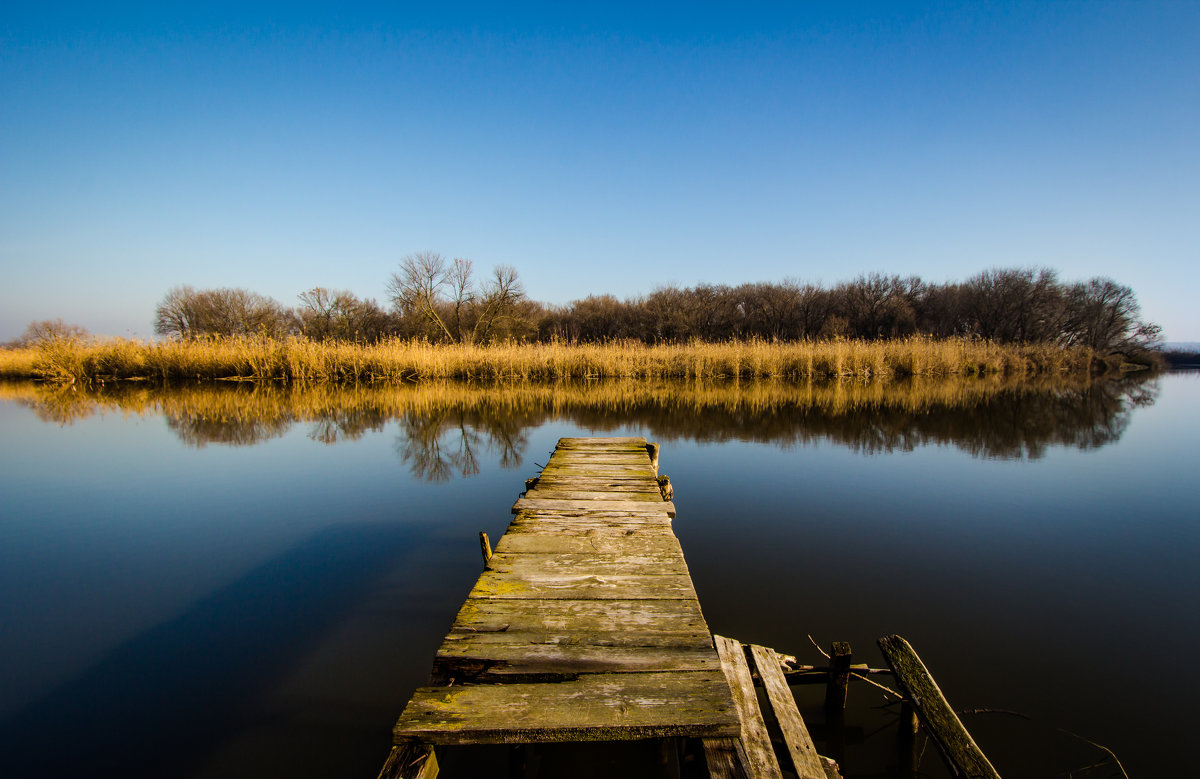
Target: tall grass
x=303, y=361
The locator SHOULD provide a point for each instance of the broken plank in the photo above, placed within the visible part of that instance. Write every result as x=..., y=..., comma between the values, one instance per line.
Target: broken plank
x=760, y=756
x=595, y=707
x=962, y=755
x=807, y=763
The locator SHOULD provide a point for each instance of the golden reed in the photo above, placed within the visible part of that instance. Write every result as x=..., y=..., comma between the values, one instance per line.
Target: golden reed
x=302, y=361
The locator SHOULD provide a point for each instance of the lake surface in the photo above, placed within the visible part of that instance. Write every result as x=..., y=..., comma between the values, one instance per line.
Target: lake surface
x=238, y=581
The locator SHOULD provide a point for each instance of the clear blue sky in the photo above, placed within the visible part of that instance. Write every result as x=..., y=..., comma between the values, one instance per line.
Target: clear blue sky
x=607, y=148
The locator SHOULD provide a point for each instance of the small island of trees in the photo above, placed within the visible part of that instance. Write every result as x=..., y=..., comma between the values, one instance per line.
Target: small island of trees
x=442, y=321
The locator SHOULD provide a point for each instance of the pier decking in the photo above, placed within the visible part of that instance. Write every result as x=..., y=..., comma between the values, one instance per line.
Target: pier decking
x=584, y=625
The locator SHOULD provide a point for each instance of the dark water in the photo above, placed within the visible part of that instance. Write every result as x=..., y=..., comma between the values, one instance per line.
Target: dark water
x=234, y=582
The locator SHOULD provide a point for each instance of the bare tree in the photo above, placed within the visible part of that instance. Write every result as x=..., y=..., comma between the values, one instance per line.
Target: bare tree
x=185, y=313
x=48, y=330
x=444, y=297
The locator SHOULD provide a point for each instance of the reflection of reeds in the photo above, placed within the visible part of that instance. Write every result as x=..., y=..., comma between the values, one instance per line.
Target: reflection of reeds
x=303, y=361
x=992, y=416
x=368, y=406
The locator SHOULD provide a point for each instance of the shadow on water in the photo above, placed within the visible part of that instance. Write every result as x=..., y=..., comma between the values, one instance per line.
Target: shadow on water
x=444, y=428
x=181, y=688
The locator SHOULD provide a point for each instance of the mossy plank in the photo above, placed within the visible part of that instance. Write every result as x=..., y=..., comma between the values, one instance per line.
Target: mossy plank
x=544, y=543
x=760, y=755
x=665, y=507
x=580, y=616
x=582, y=586
x=653, y=495
x=639, y=563
x=962, y=755
x=476, y=660
x=805, y=760
x=651, y=515
x=600, y=634
x=595, y=707
x=603, y=441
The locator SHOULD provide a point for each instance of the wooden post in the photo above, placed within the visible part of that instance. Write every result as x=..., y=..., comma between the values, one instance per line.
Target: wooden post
x=485, y=546
x=838, y=684
x=652, y=450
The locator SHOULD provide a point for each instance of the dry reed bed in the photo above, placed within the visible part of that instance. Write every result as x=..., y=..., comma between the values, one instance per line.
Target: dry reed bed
x=303, y=361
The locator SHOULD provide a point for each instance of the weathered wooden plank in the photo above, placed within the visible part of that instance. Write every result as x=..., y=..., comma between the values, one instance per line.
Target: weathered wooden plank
x=531, y=586
x=726, y=758
x=636, y=563
x=598, y=636
x=582, y=468
x=596, y=530
x=601, y=456
x=545, y=543
x=477, y=660
x=566, y=493
x=807, y=763
x=595, y=518
x=548, y=504
x=593, y=483
x=602, y=441
x=650, y=514
x=594, y=707
x=580, y=616
x=760, y=756
x=962, y=755
x=410, y=760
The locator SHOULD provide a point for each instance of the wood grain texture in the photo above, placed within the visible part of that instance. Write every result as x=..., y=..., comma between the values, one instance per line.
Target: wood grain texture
x=595, y=707
x=962, y=755
x=411, y=760
x=553, y=504
x=805, y=760
x=726, y=758
x=584, y=624
x=760, y=756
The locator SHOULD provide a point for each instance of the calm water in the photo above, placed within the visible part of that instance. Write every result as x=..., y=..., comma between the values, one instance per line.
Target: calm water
x=229, y=582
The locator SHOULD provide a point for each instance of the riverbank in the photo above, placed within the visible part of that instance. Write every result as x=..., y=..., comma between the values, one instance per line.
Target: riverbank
x=298, y=360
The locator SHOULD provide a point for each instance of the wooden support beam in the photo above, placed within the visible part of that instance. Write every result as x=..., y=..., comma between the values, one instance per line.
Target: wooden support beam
x=838, y=684
x=411, y=760
x=485, y=546
x=725, y=757
x=963, y=756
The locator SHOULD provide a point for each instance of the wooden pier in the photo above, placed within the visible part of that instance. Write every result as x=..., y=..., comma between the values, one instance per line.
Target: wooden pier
x=585, y=627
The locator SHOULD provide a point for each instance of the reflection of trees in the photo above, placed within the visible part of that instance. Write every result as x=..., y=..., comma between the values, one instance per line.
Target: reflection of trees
x=449, y=429
x=437, y=444
x=198, y=430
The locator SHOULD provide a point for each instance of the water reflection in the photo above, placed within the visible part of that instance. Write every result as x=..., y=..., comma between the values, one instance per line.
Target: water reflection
x=445, y=428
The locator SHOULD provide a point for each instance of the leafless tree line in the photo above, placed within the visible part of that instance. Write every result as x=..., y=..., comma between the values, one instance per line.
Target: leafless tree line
x=442, y=300
x=1018, y=305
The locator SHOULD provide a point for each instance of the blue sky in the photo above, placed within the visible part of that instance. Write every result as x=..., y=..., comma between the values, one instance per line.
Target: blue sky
x=598, y=149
